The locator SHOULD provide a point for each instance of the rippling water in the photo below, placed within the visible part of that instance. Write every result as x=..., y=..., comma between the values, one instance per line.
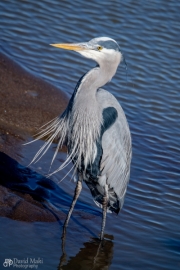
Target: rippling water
x=146, y=234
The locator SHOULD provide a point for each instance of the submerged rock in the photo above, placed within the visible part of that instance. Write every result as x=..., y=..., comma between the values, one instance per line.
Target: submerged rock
x=29, y=196
x=19, y=206
x=24, y=194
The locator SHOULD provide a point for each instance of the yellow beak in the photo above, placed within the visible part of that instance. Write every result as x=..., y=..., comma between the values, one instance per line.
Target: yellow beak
x=72, y=47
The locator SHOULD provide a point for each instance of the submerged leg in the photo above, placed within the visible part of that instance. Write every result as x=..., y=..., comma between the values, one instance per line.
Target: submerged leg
x=76, y=195
x=104, y=205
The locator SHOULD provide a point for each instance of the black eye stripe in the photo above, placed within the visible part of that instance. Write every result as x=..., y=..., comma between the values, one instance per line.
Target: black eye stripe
x=109, y=44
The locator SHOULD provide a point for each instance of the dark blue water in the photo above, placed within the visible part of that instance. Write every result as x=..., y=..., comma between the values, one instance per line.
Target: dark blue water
x=146, y=234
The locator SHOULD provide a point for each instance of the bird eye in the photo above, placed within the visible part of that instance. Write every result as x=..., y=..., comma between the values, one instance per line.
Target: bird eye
x=99, y=48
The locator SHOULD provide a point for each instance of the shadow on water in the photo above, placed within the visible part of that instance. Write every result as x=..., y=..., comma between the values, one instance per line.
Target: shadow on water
x=24, y=180
x=94, y=255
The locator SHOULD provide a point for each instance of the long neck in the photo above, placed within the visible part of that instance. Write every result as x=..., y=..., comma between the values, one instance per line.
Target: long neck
x=84, y=96
x=94, y=79
x=84, y=116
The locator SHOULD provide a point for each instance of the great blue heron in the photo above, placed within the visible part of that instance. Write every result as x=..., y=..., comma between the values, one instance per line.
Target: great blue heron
x=95, y=130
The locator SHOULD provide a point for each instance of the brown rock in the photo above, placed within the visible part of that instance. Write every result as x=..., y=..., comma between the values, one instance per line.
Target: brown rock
x=23, y=207
x=26, y=102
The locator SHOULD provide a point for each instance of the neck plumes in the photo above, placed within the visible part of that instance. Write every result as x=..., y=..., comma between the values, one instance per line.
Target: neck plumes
x=85, y=120
x=85, y=117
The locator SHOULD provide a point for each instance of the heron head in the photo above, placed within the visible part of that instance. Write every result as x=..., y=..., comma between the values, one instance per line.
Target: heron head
x=103, y=50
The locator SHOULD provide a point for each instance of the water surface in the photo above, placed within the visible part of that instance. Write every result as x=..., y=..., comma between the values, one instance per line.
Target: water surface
x=146, y=234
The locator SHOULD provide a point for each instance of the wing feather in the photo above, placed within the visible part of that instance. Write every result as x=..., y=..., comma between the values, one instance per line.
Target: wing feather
x=116, y=145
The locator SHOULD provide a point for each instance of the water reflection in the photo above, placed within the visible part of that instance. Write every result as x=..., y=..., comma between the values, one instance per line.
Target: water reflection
x=94, y=255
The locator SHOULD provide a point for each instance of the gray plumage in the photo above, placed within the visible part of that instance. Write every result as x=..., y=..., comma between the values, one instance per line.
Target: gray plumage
x=94, y=129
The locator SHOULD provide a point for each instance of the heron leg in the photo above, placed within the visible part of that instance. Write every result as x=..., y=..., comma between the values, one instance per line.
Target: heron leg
x=104, y=206
x=76, y=195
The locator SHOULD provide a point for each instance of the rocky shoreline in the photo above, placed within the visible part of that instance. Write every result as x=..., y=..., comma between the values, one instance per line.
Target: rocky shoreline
x=26, y=103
